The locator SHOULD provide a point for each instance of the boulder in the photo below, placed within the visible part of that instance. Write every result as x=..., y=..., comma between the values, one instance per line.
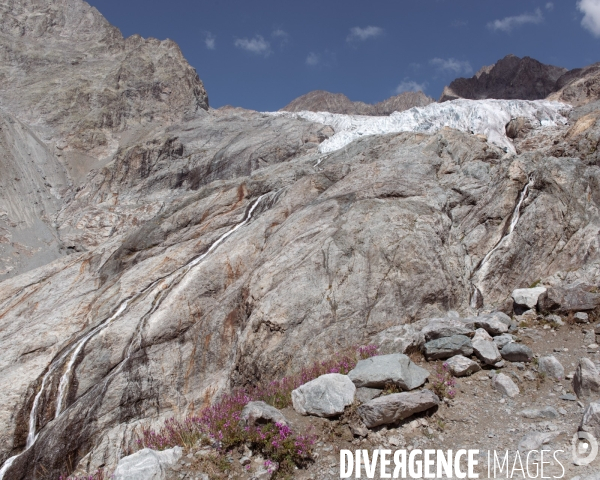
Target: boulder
x=485, y=349
x=447, y=347
x=539, y=413
x=568, y=299
x=399, y=338
x=591, y=419
x=555, y=320
x=517, y=352
x=533, y=441
x=255, y=413
x=147, y=464
x=325, y=396
x=395, y=407
x=365, y=394
x=503, y=340
x=503, y=384
x=461, y=366
x=581, y=317
x=551, y=367
x=492, y=324
x=586, y=381
x=527, y=298
x=445, y=327
x=376, y=372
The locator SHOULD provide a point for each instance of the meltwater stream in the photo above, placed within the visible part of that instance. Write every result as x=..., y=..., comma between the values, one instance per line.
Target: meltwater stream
x=476, y=294
x=72, y=353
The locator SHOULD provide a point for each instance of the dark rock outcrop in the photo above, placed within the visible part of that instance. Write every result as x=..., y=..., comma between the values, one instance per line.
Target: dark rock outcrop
x=510, y=78
x=322, y=101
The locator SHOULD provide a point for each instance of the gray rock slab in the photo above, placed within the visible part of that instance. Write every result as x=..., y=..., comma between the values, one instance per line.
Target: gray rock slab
x=581, y=317
x=539, y=413
x=533, y=441
x=395, y=407
x=326, y=396
x=527, y=297
x=484, y=347
x=517, y=352
x=147, y=464
x=447, y=347
x=590, y=421
x=445, y=327
x=504, y=384
x=461, y=366
x=397, y=368
x=255, y=413
x=492, y=324
x=586, y=381
x=502, y=340
x=550, y=365
x=365, y=394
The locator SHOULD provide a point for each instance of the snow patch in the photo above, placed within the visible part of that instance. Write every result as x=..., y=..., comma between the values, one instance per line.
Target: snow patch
x=486, y=117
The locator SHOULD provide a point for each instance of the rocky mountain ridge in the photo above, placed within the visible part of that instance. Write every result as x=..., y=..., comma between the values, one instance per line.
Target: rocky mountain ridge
x=214, y=249
x=322, y=101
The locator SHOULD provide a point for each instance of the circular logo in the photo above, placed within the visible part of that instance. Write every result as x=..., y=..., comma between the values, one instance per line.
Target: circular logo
x=585, y=448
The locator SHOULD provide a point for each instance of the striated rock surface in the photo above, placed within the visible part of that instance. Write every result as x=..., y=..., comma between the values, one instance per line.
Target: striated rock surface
x=322, y=101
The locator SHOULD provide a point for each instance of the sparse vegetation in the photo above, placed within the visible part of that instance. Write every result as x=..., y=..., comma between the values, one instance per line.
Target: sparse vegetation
x=443, y=383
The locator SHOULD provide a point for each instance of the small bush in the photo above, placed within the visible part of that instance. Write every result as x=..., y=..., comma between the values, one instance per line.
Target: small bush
x=219, y=424
x=443, y=383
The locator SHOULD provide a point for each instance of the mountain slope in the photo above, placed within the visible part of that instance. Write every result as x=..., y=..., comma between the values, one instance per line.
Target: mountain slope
x=322, y=101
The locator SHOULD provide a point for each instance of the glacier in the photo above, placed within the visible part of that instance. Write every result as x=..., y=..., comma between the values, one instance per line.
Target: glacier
x=485, y=117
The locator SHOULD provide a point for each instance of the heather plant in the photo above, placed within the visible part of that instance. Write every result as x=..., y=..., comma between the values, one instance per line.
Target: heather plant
x=443, y=383
x=219, y=424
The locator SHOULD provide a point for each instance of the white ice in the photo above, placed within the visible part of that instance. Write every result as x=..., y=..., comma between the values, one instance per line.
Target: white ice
x=486, y=117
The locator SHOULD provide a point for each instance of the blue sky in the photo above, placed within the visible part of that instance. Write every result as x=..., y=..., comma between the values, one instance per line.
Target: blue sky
x=261, y=54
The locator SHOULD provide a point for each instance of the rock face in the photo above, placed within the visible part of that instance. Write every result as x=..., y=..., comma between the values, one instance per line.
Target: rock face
x=147, y=464
x=217, y=249
x=579, y=86
x=395, y=407
x=511, y=77
x=398, y=369
x=326, y=396
x=322, y=101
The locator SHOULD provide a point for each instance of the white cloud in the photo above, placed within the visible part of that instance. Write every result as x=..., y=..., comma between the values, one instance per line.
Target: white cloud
x=281, y=35
x=410, y=86
x=257, y=45
x=313, y=59
x=550, y=6
x=508, y=23
x=362, y=34
x=451, y=65
x=591, y=17
x=210, y=41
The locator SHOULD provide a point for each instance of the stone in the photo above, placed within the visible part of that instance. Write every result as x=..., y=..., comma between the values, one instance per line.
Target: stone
x=365, y=394
x=569, y=299
x=539, y=413
x=399, y=339
x=590, y=421
x=492, y=324
x=517, y=352
x=597, y=329
x=551, y=367
x=581, y=317
x=447, y=347
x=461, y=366
x=533, y=441
x=147, y=464
x=555, y=320
x=447, y=327
x=325, y=396
x=586, y=381
x=485, y=349
x=392, y=408
x=399, y=369
x=503, y=384
x=527, y=297
x=568, y=397
x=259, y=412
x=358, y=431
x=502, y=340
